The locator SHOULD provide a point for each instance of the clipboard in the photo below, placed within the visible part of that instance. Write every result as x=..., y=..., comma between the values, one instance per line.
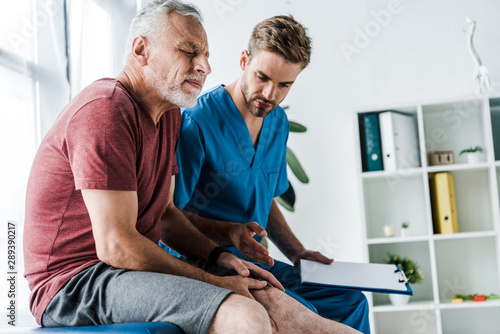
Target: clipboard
x=372, y=277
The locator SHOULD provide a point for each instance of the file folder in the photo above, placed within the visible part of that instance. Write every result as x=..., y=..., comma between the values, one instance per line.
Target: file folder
x=371, y=153
x=444, y=206
x=372, y=277
x=399, y=138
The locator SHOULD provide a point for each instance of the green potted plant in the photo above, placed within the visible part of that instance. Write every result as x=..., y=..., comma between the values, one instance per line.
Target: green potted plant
x=287, y=200
x=404, y=229
x=473, y=154
x=412, y=272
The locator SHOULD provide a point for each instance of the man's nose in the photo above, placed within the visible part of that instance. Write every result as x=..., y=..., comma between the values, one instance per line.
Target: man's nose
x=269, y=91
x=202, y=66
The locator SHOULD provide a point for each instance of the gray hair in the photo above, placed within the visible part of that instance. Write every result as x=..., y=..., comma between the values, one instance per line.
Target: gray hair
x=151, y=20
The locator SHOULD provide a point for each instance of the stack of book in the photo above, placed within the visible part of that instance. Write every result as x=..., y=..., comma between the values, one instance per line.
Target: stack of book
x=389, y=141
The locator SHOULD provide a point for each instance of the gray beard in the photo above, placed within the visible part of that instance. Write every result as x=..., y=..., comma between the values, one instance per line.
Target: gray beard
x=174, y=93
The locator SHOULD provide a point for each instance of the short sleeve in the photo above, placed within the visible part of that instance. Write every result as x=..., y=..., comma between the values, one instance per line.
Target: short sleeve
x=100, y=144
x=282, y=183
x=190, y=159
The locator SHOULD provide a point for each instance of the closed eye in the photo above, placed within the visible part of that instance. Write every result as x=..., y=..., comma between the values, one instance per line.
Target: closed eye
x=189, y=53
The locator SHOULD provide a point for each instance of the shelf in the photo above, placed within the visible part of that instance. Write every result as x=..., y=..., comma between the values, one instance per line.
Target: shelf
x=445, y=125
x=391, y=240
x=475, y=209
x=468, y=304
x=464, y=235
x=392, y=174
x=386, y=203
x=413, y=321
x=466, y=266
x=460, y=263
x=470, y=320
x=458, y=167
x=419, y=251
x=411, y=306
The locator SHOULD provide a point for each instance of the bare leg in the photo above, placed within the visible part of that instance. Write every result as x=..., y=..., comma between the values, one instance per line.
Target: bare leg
x=291, y=316
x=238, y=314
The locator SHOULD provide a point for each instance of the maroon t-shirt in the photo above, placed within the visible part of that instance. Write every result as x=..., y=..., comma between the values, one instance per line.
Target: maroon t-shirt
x=102, y=139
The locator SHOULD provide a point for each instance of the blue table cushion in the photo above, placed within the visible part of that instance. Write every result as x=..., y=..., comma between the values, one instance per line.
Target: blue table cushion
x=133, y=327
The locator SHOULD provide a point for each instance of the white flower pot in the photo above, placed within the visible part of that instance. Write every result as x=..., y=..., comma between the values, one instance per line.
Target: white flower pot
x=397, y=299
x=404, y=232
x=474, y=158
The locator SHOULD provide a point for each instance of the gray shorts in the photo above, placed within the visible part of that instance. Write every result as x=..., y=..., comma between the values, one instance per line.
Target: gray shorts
x=102, y=294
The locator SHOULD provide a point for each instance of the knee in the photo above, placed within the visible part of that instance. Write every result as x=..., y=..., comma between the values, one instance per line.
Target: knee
x=271, y=297
x=253, y=313
x=242, y=315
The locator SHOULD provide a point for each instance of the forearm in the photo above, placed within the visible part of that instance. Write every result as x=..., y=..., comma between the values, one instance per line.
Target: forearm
x=118, y=243
x=218, y=231
x=281, y=235
x=240, y=235
x=136, y=252
x=182, y=236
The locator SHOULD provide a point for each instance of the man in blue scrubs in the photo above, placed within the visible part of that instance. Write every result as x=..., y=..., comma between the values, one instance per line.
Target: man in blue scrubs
x=232, y=161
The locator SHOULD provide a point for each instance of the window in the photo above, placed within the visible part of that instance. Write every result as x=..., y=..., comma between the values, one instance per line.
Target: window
x=18, y=129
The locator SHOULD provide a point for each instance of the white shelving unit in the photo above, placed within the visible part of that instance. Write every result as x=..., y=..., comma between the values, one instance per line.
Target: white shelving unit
x=467, y=262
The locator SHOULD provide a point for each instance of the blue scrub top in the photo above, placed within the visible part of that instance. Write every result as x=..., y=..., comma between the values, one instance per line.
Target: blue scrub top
x=222, y=176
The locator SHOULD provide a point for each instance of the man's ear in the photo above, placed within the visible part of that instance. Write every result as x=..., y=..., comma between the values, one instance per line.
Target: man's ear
x=140, y=50
x=244, y=59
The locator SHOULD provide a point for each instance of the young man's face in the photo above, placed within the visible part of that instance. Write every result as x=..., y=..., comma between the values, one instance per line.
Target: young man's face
x=178, y=64
x=266, y=81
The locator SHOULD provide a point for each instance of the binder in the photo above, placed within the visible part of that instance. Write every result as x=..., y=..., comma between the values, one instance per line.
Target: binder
x=371, y=154
x=373, y=277
x=399, y=139
x=443, y=202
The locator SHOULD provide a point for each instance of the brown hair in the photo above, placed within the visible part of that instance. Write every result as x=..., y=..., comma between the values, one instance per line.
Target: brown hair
x=284, y=36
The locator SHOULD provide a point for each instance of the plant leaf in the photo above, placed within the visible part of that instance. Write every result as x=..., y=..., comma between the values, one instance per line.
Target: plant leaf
x=296, y=127
x=287, y=199
x=295, y=166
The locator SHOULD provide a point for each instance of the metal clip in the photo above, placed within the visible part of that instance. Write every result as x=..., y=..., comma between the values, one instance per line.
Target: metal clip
x=401, y=276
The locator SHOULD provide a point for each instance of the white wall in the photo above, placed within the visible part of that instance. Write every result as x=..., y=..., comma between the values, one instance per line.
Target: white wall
x=421, y=54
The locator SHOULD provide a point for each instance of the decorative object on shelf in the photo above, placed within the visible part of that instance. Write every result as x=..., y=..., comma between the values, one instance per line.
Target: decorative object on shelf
x=473, y=154
x=412, y=272
x=475, y=298
x=404, y=229
x=437, y=158
x=399, y=299
x=389, y=230
x=443, y=203
x=481, y=73
x=287, y=199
